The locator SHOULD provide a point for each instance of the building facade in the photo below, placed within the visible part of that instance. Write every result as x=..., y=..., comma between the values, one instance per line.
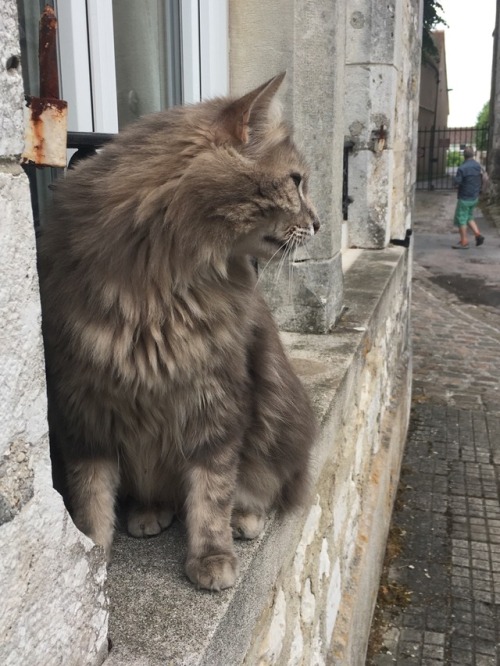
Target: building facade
x=307, y=588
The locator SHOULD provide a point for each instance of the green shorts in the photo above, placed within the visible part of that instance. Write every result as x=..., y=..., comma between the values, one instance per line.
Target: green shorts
x=464, y=212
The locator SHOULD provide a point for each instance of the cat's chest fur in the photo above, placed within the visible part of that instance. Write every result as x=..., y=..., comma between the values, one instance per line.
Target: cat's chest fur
x=193, y=356
x=201, y=329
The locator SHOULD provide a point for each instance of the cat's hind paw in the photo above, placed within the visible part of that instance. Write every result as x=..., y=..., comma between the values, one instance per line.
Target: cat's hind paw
x=213, y=572
x=247, y=525
x=148, y=521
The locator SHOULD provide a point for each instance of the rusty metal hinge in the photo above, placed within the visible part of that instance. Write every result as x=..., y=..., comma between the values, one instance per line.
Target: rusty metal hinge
x=46, y=116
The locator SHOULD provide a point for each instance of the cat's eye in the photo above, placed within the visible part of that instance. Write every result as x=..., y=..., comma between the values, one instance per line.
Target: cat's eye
x=297, y=178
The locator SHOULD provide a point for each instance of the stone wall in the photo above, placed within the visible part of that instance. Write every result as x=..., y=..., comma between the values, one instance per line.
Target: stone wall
x=53, y=608
x=321, y=606
x=308, y=584
x=381, y=81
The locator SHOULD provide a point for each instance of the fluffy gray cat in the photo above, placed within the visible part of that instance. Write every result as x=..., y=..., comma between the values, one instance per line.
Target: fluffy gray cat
x=168, y=383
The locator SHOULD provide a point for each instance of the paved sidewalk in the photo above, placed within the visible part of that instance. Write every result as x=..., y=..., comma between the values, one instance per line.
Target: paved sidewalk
x=439, y=601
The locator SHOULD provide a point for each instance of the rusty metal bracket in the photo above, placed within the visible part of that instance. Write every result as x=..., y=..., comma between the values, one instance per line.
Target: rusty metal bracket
x=46, y=116
x=378, y=139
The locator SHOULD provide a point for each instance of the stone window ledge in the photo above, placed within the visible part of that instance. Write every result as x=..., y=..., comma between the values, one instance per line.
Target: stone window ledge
x=156, y=615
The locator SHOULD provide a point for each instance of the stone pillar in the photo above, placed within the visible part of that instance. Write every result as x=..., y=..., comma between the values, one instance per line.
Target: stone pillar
x=53, y=606
x=306, y=39
x=493, y=158
x=380, y=113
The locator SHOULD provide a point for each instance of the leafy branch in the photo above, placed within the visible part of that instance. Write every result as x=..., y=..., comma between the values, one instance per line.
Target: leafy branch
x=432, y=17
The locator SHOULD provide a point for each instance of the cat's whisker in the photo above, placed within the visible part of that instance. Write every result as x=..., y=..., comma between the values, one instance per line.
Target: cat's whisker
x=261, y=273
x=290, y=271
x=284, y=250
x=281, y=263
x=298, y=244
x=305, y=249
x=285, y=257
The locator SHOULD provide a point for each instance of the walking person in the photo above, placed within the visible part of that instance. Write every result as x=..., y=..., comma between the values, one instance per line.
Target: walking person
x=469, y=179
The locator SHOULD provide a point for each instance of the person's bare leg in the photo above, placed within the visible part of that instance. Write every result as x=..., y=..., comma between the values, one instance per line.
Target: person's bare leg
x=474, y=228
x=462, y=230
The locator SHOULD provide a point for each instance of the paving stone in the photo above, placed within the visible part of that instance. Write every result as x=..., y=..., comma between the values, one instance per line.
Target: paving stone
x=449, y=502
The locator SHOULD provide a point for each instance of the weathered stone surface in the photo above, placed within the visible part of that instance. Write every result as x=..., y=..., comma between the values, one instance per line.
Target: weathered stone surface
x=305, y=296
x=11, y=84
x=16, y=480
x=370, y=212
x=310, y=39
x=22, y=390
x=372, y=99
x=380, y=112
x=493, y=156
x=371, y=31
x=53, y=608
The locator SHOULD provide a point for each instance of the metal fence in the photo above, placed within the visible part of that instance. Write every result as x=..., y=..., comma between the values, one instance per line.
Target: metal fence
x=440, y=153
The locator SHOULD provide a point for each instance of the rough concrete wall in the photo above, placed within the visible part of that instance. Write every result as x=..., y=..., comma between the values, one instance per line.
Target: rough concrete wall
x=380, y=115
x=309, y=44
x=53, y=608
x=321, y=608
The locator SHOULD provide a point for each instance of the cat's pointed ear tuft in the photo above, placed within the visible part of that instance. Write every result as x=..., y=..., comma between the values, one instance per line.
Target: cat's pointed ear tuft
x=252, y=110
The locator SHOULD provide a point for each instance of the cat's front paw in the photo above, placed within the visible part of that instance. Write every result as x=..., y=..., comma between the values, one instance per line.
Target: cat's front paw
x=247, y=525
x=148, y=521
x=213, y=572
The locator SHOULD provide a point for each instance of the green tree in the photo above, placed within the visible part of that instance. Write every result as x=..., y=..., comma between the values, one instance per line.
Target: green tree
x=432, y=17
x=482, y=122
x=483, y=117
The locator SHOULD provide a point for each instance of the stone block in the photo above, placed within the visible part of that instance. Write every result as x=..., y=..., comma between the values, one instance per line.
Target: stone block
x=317, y=106
x=304, y=296
x=370, y=105
x=371, y=31
x=54, y=607
x=370, y=178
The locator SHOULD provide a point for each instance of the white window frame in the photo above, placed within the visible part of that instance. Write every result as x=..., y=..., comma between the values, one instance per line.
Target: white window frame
x=102, y=65
x=214, y=48
x=74, y=60
x=86, y=49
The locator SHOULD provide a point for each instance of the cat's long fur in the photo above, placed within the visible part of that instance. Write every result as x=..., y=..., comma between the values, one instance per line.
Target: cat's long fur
x=167, y=379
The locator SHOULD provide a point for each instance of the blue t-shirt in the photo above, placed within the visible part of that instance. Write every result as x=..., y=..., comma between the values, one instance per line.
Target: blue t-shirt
x=468, y=179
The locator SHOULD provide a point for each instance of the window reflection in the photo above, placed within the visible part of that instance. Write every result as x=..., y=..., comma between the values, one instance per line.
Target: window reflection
x=147, y=56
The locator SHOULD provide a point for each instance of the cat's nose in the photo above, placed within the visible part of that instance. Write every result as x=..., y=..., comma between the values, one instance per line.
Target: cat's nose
x=316, y=225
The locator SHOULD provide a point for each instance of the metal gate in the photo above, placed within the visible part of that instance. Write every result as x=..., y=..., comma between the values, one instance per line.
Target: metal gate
x=440, y=153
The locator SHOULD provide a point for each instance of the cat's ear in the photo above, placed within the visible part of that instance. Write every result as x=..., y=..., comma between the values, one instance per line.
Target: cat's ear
x=250, y=111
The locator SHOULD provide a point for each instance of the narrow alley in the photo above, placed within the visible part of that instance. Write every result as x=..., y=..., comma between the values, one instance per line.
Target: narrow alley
x=440, y=594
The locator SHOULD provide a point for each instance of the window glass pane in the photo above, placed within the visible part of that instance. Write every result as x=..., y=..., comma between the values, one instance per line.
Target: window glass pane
x=147, y=56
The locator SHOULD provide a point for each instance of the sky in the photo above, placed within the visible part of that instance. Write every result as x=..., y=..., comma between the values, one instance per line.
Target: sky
x=469, y=52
